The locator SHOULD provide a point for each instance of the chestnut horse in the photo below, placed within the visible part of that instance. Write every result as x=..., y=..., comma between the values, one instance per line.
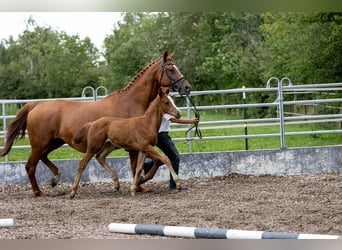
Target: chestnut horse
x=52, y=123
x=133, y=134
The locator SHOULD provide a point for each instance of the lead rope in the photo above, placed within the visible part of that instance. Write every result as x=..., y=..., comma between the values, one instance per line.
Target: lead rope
x=198, y=132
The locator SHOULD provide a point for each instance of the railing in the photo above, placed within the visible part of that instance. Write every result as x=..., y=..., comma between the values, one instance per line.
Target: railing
x=280, y=119
x=279, y=103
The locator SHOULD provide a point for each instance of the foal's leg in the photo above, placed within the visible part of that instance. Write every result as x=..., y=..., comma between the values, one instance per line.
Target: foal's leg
x=153, y=154
x=133, y=156
x=157, y=157
x=83, y=163
x=151, y=173
x=101, y=158
x=136, y=177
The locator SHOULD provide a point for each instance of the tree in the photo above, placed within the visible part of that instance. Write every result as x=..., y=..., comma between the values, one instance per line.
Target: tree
x=303, y=46
x=44, y=63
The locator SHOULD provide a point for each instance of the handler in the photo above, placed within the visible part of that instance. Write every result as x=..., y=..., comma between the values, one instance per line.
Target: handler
x=166, y=145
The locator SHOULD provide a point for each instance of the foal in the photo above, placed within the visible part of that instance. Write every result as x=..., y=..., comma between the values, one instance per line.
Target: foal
x=137, y=133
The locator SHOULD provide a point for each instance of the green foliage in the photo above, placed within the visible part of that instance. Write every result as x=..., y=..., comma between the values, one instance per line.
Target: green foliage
x=303, y=46
x=44, y=63
x=214, y=50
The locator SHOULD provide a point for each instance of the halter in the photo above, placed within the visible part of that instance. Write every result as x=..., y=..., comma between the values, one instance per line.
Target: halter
x=173, y=82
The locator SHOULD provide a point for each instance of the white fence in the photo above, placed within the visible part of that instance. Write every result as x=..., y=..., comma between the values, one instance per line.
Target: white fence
x=281, y=118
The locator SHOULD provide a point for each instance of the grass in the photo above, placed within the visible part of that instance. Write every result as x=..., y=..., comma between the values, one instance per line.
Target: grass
x=216, y=145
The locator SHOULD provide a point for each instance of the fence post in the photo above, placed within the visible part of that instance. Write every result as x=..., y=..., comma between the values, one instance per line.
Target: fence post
x=92, y=89
x=97, y=91
x=280, y=108
x=281, y=114
x=4, y=126
x=245, y=116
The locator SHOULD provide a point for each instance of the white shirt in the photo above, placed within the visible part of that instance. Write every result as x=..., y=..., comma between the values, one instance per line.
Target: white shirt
x=165, y=124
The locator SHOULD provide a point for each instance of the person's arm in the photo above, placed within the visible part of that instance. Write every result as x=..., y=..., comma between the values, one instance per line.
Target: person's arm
x=184, y=120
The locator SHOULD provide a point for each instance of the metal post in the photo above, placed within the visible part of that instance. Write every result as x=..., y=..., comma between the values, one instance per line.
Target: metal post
x=245, y=117
x=280, y=107
x=281, y=115
x=97, y=91
x=4, y=126
x=92, y=89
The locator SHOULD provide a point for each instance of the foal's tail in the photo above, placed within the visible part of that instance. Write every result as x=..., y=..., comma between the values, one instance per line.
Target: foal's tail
x=17, y=127
x=82, y=133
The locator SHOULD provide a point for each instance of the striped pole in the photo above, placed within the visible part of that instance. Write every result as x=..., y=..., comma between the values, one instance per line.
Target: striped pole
x=6, y=222
x=209, y=233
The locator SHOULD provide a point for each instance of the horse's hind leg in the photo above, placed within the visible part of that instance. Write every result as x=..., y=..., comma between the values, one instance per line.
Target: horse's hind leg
x=30, y=167
x=54, y=169
x=101, y=158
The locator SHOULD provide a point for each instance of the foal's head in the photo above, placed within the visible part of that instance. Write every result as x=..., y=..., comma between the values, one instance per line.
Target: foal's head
x=167, y=104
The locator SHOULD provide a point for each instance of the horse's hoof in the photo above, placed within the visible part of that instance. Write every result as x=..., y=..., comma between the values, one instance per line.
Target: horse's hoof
x=141, y=180
x=140, y=189
x=72, y=194
x=117, y=188
x=55, y=180
x=40, y=193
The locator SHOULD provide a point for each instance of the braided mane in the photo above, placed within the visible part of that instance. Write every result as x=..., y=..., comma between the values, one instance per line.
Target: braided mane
x=137, y=76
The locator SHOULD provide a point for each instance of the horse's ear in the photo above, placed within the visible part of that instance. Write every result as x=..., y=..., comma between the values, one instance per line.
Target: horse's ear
x=170, y=58
x=165, y=56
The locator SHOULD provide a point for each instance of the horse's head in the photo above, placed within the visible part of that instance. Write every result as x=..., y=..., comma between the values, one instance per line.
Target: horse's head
x=174, y=76
x=168, y=106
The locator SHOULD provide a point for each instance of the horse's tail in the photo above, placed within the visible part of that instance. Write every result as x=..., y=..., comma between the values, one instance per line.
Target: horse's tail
x=17, y=127
x=82, y=133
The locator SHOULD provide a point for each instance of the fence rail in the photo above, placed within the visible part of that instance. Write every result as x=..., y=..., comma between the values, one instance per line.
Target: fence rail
x=280, y=120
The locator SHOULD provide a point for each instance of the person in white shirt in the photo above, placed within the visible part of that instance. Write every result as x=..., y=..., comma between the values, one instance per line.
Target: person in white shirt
x=166, y=144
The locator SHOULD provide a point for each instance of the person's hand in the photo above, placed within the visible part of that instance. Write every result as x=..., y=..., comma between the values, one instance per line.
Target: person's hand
x=195, y=120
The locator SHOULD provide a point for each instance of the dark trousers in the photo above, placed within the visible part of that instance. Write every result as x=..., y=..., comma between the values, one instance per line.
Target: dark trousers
x=168, y=147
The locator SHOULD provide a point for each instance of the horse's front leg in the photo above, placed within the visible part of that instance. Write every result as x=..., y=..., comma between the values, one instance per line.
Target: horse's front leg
x=157, y=157
x=136, y=178
x=150, y=174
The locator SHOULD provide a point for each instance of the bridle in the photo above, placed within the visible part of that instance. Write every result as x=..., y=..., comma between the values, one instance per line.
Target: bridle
x=175, y=83
x=175, y=87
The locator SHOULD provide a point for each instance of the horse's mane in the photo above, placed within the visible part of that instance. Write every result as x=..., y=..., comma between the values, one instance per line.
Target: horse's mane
x=130, y=84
